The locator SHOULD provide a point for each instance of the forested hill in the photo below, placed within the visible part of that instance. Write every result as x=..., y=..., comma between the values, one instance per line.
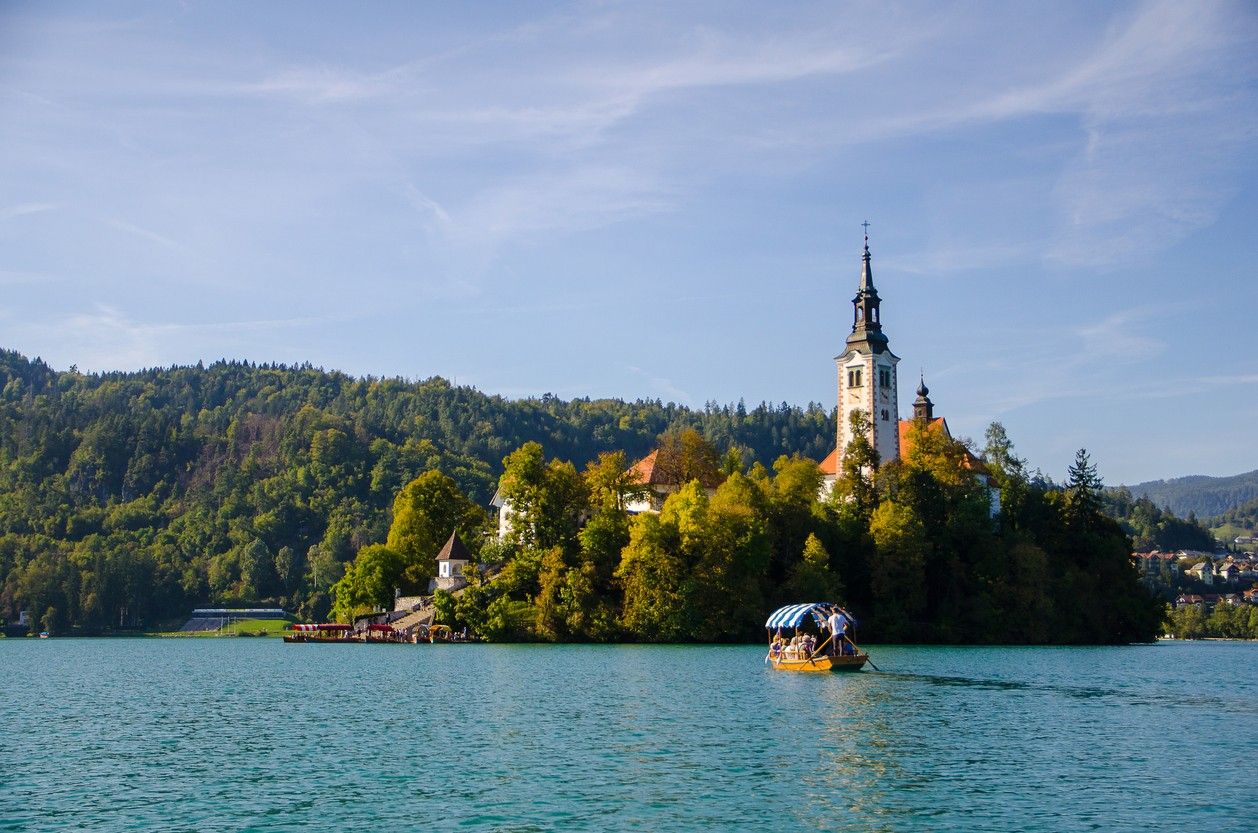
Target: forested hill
x=1200, y=495
x=183, y=480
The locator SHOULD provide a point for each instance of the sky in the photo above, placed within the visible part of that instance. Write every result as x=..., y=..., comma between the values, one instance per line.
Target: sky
x=658, y=201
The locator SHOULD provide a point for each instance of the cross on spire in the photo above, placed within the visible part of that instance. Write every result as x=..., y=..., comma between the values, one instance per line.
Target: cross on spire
x=866, y=225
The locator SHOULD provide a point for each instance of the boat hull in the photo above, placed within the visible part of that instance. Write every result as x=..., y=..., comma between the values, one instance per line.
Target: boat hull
x=823, y=662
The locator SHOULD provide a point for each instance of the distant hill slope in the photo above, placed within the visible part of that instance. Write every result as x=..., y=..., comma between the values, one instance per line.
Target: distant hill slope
x=1205, y=496
x=1242, y=520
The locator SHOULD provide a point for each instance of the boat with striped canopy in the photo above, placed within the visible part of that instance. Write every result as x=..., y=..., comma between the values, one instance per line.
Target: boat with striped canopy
x=818, y=652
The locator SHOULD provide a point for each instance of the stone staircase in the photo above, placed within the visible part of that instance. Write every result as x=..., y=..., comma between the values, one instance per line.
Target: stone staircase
x=420, y=616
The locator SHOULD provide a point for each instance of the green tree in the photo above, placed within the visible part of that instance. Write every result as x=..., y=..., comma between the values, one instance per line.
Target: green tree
x=856, y=484
x=684, y=455
x=425, y=512
x=730, y=560
x=811, y=578
x=998, y=451
x=257, y=570
x=547, y=500
x=1083, y=490
x=652, y=575
x=611, y=484
x=369, y=582
x=897, y=572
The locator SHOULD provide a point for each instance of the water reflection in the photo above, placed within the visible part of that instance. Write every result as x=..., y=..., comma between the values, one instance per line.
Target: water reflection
x=246, y=734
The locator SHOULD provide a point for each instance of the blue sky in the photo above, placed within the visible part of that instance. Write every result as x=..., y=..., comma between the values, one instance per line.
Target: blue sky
x=633, y=200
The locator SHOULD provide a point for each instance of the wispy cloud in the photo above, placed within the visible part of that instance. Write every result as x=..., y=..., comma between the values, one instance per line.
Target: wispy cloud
x=23, y=209
x=1118, y=338
x=1035, y=367
x=107, y=338
x=944, y=261
x=661, y=385
x=146, y=234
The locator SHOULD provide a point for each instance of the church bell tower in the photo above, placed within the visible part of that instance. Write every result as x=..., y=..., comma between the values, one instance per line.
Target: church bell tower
x=867, y=372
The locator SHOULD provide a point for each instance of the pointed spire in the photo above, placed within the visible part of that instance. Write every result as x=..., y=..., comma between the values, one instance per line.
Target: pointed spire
x=866, y=323
x=923, y=408
x=867, y=272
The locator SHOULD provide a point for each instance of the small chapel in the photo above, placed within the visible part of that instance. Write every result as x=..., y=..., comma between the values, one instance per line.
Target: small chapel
x=868, y=381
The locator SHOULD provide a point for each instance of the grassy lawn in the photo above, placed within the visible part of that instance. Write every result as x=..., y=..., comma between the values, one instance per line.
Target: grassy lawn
x=1228, y=533
x=245, y=627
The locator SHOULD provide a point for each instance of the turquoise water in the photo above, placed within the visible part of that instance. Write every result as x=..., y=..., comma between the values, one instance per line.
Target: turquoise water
x=256, y=735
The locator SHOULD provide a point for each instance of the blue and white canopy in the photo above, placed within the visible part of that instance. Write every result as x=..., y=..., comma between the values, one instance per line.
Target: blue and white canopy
x=791, y=615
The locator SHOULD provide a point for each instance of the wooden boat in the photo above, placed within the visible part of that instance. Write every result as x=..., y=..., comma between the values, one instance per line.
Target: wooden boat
x=809, y=618
x=321, y=633
x=822, y=662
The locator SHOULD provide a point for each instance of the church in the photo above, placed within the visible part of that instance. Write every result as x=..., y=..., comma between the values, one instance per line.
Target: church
x=868, y=381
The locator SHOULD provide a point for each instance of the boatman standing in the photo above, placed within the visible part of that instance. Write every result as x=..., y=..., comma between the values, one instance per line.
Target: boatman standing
x=837, y=622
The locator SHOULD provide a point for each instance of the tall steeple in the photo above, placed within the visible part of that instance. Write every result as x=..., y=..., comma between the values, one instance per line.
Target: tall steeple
x=866, y=321
x=867, y=372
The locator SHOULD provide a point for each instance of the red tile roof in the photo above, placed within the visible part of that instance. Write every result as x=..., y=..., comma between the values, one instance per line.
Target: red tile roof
x=645, y=468
x=906, y=444
x=830, y=465
x=970, y=463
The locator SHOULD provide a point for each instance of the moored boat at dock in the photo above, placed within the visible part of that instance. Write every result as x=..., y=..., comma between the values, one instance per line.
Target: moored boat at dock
x=332, y=632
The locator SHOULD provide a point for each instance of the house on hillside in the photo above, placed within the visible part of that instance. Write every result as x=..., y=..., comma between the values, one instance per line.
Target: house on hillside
x=660, y=478
x=1202, y=572
x=660, y=482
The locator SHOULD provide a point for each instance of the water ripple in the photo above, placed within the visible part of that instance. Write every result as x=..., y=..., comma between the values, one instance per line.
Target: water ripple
x=254, y=735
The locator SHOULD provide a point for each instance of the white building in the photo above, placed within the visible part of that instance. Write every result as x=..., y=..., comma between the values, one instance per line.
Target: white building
x=454, y=556
x=867, y=373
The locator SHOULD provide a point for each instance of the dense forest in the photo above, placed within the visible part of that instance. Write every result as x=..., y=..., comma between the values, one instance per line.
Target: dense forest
x=911, y=544
x=1200, y=495
x=128, y=498
x=1224, y=622
x=1153, y=528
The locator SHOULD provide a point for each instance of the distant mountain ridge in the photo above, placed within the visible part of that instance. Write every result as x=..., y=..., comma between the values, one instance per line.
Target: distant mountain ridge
x=1199, y=494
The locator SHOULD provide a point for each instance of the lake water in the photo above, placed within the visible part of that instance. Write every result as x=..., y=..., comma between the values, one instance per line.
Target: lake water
x=255, y=735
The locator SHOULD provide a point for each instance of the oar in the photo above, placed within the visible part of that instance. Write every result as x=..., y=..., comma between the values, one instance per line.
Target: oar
x=867, y=657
